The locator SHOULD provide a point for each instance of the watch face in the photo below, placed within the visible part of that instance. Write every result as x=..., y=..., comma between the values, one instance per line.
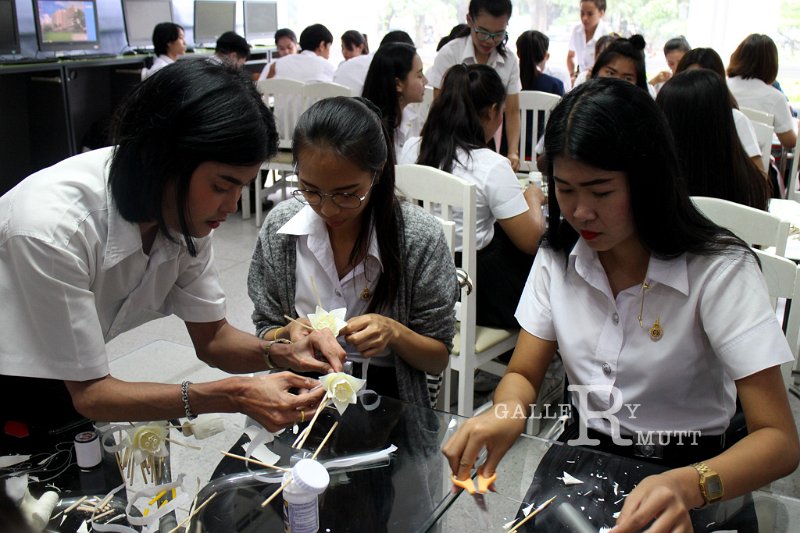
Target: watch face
x=714, y=486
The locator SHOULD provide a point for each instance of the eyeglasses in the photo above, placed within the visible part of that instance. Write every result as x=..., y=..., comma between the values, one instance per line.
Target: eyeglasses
x=484, y=35
x=345, y=200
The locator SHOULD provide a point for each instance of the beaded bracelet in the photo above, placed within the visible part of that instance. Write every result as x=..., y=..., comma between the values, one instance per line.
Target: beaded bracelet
x=185, y=397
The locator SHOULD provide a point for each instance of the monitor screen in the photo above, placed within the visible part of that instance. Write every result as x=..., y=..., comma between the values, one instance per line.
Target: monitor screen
x=260, y=20
x=141, y=16
x=63, y=25
x=212, y=19
x=9, y=36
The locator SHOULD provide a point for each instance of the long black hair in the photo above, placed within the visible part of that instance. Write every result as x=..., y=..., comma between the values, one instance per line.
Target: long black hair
x=353, y=38
x=454, y=119
x=392, y=62
x=612, y=125
x=697, y=106
x=176, y=119
x=352, y=129
x=532, y=48
x=495, y=8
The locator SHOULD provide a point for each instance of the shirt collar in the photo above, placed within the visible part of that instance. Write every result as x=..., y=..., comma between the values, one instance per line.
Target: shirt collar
x=669, y=272
x=468, y=55
x=307, y=222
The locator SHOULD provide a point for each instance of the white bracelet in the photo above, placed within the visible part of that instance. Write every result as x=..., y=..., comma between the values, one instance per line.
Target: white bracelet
x=185, y=397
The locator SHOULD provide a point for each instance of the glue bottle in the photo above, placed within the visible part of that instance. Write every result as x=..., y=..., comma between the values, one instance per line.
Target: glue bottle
x=300, y=497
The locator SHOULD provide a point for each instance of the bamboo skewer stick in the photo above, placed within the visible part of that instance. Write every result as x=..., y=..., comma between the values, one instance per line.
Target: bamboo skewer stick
x=324, y=441
x=191, y=515
x=531, y=515
x=185, y=445
x=275, y=494
x=255, y=461
x=290, y=319
x=307, y=431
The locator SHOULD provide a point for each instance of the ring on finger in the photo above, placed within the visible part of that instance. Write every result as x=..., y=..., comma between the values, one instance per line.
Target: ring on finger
x=302, y=416
x=464, y=464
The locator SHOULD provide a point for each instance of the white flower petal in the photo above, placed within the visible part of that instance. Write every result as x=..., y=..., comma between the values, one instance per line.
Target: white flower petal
x=333, y=321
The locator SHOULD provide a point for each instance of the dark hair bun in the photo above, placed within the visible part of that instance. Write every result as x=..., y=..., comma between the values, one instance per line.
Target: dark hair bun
x=637, y=41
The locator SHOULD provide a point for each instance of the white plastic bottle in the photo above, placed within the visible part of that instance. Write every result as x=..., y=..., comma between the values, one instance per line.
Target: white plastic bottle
x=300, y=505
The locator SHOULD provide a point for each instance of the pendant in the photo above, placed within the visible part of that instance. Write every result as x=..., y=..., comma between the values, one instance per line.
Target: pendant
x=656, y=331
x=366, y=294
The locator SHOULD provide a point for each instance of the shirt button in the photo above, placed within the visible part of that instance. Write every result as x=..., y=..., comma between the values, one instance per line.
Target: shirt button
x=615, y=318
x=606, y=369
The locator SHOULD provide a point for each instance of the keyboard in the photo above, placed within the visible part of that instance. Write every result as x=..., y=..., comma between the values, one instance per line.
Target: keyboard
x=97, y=55
x=19, y=60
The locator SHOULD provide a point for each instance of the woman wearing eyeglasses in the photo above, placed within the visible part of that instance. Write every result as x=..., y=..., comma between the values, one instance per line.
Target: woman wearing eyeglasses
x=485, y=45
x=345, y=240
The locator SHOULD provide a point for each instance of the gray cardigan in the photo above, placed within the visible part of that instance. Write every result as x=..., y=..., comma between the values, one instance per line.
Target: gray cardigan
x=425, y=299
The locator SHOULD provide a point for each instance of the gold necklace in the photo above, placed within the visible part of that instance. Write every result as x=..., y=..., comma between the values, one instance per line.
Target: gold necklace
x=655, y=331
x=366, y=294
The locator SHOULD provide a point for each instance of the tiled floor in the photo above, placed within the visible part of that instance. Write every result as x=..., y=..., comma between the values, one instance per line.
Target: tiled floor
x=163, y=349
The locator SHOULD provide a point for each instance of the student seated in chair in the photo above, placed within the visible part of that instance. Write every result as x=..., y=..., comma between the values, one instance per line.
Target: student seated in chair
x=509, y=219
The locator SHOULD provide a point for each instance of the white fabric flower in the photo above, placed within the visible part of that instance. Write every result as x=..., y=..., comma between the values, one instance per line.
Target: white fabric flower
x=342, y=389
x=334, y=320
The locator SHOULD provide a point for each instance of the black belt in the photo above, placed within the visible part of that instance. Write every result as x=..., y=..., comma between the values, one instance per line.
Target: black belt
x=671, y=449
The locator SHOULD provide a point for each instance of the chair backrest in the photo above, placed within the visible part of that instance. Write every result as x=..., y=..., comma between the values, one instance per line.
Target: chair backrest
x=449, y=228
x=534, y=110
x=286, y=98
x=791, y=178
x=753, y=226
x=764, y=134
x=316, y=91
x=783, y=281
x=433, y=187
x=757, y=115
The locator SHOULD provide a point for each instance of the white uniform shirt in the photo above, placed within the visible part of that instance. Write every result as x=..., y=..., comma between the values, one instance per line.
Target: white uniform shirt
x=73, y=274
x=747, y=135
x=498, y=192
x=584, y=50
x=684, y=381
x=461, y=50
x=756, y=94
x=353, y=72
x=315, y=260
x=305, y=66
x=159, y=62
x=410, y=126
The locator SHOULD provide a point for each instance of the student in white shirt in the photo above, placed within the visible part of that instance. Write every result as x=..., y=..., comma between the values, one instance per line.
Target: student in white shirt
x=232, y=49
x=311, y=64
x=168, y=44
x=352, y=71
x=394, y=81
x=624, y=59
x=752, y=70
x=509, y=221
x=635, y=288
x=709, y=59
x=346, y=241
x=674, y=50
x=108, y=240
x=713, y=162
x=580, y=56
x=485, y=45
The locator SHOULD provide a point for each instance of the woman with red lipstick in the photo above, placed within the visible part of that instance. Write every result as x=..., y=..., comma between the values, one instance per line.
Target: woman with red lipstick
x=108, y=240
x=346, y=241
x=485, y=45
x=635, y=288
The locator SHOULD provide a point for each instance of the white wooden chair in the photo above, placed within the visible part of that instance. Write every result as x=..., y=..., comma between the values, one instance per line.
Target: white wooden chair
x=533, y=103
x=316, y=91
x=783, y=281
x=473, y=346
x=753, y=226
x=764, y=133
x=757, y=115
x=791, y=177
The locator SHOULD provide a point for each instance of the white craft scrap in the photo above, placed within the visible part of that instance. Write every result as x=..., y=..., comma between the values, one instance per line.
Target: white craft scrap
x=570, y=480
x=342, y=389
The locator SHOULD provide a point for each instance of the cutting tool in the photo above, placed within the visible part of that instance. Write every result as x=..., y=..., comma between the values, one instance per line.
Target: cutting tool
x=478, y=496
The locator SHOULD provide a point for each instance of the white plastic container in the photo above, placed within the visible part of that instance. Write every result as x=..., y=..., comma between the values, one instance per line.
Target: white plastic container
x=300, y=497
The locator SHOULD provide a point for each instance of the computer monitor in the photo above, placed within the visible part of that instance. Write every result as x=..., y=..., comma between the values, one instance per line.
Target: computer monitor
x=9, y=32
x=260, y=20
x=141, y=16
x=212, y=19
x=64, y=25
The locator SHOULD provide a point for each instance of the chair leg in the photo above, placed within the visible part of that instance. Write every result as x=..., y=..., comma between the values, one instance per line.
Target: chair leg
x=466, y=390
x=259, y=207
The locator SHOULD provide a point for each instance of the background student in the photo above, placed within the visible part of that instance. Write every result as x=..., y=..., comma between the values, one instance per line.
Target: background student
x=168, y=43
x=581, y=54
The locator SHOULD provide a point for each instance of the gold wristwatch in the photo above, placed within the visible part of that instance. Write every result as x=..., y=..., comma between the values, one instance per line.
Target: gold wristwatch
x=710, y=483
